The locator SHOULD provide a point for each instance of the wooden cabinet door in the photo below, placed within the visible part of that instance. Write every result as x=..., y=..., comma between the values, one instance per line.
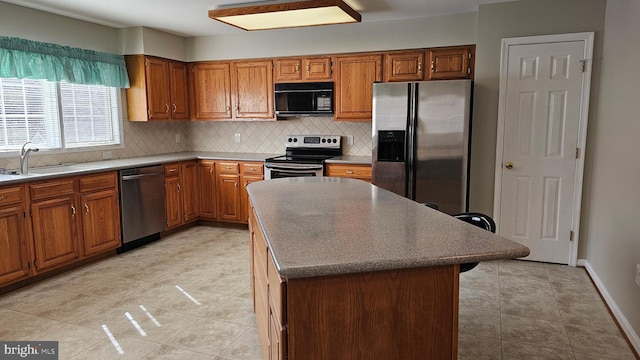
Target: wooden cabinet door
x=355, y=76
x=179, y=107
x=288, y=70
x=190, y=191
x=100, y=221
x=55, y=232
x=450, y=63
x=277, y=334
x=229, y=197
x=14, y=250
x=404, y=66
x=253, y=89
x=207, y=178
x=173, y=197
x=157, y=80
x=246, y=180
x=211, y=91
x=318, y=69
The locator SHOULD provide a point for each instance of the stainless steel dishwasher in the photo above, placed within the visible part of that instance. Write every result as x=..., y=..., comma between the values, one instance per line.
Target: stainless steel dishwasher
x=142, y=203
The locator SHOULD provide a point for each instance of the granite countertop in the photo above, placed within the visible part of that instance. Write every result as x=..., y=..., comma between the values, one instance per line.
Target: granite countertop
x=49, y=172
x=330, y=226
x=349, y=159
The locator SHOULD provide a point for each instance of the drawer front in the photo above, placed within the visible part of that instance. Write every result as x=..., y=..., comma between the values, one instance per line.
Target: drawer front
x=172, y=169
x=227, y=167
x=276, y=290
x=252, y=168
x=11, y=195
x=98, y=182
x=52, y=188
x=356, y=171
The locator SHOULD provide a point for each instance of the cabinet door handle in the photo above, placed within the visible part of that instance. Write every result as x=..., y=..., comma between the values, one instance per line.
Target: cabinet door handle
x=350, y=172
x=297, y=68
x=211, y=171
x=252, y=169
x=86, y=208
x=419, y=67
x=166, y=107
x=308, y=68
x=73, y=210
x=235, y=185
x=433, y=66
x=178, y=187
x=1, y=197
x=175, y=108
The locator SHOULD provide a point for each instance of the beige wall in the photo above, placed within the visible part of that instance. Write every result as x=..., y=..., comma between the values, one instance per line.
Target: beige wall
x=513, y=19
x=405, y=34
x=18, y=21
x=613, y=247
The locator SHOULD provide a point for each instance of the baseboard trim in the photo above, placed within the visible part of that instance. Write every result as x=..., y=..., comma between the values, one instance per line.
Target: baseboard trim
x=632, y=336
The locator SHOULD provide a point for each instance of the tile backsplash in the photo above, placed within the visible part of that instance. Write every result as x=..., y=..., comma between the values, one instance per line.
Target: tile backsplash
x=159, y=137
x=269, y=136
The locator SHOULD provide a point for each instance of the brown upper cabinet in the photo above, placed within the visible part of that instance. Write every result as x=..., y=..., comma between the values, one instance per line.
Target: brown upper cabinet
x=252, y=86
x=158, y=89
x=211, y=90
x=239, y=90
x=451, y=63
x=404, y=66
x=303, y=69
x=355, y=75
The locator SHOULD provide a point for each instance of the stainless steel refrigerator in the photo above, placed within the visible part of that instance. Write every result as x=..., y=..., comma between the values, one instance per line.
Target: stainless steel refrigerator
x=421, y=141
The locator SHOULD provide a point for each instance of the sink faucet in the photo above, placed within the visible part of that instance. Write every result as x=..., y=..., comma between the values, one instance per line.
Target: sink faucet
x=24, y=158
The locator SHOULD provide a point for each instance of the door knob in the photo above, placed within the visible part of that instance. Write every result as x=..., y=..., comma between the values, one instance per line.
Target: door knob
x=509, y=165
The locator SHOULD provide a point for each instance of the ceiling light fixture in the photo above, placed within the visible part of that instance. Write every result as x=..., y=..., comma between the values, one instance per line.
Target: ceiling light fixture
x=288, y=14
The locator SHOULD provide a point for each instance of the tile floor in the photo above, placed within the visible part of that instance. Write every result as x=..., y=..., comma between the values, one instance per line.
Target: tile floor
x=189, y=295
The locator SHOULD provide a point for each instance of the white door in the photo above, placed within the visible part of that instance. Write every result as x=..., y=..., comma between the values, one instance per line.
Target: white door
x=544, y=96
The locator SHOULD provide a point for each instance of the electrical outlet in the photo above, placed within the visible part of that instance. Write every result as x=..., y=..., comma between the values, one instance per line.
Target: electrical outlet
x=236, y=138
x=177, y=138
x=349, y=139
x=638, y=274
x=106, y=155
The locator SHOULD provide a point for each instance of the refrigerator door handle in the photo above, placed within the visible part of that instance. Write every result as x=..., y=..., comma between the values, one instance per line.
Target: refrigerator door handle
x=411, y=137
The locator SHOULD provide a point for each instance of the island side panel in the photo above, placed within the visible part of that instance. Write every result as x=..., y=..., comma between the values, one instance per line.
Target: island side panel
x=400, y=314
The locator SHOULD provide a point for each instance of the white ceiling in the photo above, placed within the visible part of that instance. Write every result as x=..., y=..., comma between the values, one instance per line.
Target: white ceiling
x=190, y=17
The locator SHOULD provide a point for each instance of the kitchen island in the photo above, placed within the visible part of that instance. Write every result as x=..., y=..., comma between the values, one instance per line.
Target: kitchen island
x=342, y=269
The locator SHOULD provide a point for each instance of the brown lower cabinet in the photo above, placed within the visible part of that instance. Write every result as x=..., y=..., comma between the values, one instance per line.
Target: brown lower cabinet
x=394, y=314
x=48, y=224
x=182, y=193
x=232, y=179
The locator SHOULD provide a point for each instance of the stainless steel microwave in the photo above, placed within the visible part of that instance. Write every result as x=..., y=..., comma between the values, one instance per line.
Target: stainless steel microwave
x=304, y=99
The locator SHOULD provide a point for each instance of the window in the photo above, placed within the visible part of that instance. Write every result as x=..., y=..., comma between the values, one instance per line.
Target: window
x=57, y=115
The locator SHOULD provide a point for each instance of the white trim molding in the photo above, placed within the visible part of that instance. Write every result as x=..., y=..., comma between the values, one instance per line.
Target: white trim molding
x=615, y=310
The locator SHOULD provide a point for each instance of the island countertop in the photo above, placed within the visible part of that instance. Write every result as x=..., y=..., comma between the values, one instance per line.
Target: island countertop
x=320, y=226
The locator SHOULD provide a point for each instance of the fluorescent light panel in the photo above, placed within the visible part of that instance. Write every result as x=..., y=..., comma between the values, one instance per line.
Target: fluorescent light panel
x=287, y=15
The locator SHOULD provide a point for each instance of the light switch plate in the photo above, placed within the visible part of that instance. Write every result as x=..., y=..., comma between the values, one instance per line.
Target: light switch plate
x=106, y=155
x=638, y=274
x=177, y=138
x=236, y=138
x=349, y=139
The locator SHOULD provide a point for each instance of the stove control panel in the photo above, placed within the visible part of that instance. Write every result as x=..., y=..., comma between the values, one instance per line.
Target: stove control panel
x=313, y=141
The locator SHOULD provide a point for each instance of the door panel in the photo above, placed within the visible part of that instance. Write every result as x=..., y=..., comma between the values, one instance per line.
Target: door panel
x=543, y=103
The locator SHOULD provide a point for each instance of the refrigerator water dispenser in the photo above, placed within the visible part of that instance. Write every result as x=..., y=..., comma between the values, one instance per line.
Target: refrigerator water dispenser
x=391, y=146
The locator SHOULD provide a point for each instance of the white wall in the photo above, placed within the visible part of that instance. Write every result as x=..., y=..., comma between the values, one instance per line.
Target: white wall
x=613, y=247
x=390, y=35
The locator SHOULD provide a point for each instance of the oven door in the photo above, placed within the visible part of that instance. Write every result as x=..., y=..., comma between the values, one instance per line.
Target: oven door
x=276, y=171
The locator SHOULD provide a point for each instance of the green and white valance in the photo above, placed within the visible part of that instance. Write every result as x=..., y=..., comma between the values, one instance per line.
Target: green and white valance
x=27, y=59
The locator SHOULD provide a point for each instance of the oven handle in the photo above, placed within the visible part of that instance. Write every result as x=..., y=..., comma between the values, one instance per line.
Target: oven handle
x=302, y=168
